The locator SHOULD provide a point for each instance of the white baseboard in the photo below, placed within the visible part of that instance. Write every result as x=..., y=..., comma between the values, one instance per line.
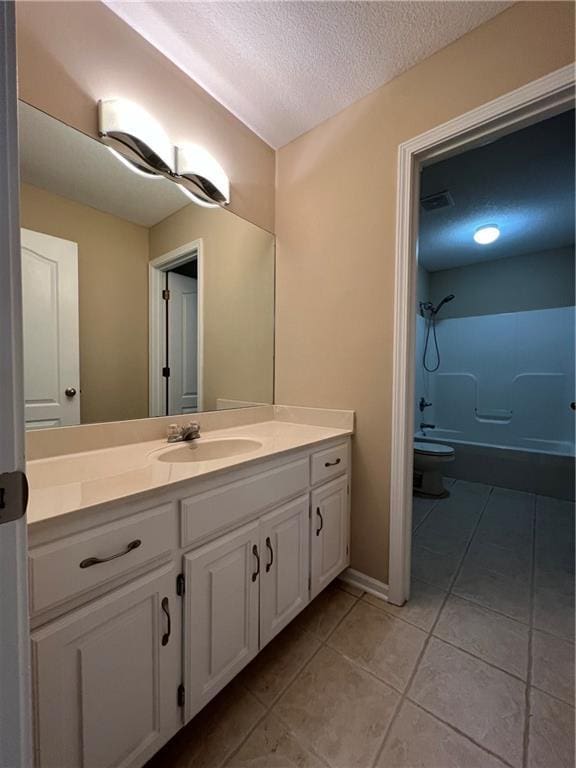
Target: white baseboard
x=367, y=583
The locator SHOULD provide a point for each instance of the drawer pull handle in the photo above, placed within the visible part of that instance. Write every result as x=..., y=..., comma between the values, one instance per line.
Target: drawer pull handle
x=166, y=608
x=90, y=561
x=332, y=463
x=257, y=556
x=270, y=563
x=321, y=521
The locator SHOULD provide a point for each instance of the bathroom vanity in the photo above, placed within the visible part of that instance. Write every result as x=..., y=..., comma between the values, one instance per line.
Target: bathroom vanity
x=157, y=572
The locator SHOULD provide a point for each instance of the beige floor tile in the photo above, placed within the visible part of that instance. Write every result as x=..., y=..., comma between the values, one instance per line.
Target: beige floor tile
x=325, y=612
x=214, y=733
x=420, y=508
x=495, y=638
x=553, y=665
x=272, y=745
x=497, y=591
x=482, y=702
x=385, y=646
x=434, y=567
x=278, y=663
x=422, y=608
x=551, y=740
x=339, y=709
x=418, y=740
x=352, y=590
x=554, y=612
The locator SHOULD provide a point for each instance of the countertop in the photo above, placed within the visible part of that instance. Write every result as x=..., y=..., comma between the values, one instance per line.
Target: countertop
x=79, y=481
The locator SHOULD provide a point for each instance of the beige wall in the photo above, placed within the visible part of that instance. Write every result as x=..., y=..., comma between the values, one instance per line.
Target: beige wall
x=335, y=216
x=238, y=300
x=518, y=284
x=71, y=54
x=113, y=293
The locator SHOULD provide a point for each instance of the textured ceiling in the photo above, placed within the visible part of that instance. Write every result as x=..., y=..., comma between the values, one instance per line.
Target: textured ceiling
x=64, y=161
x=284, y=67
x=523, y=183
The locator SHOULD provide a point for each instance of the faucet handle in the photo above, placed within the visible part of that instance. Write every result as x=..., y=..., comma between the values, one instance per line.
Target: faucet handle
x=194, y=427
x=173, y=431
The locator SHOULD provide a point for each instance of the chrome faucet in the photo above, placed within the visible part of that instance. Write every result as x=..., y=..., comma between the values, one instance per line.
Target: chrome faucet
x=423, y=425
x=423, y=404
x=186, y=433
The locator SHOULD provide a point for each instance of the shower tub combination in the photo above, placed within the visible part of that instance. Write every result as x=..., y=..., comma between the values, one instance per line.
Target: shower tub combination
x=502, y=398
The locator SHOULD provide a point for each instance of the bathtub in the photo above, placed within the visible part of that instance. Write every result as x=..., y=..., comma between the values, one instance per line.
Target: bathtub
x=547, y=472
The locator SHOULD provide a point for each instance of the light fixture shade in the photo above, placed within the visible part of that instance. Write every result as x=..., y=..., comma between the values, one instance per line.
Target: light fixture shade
x=134, y=133
x=197, y=165
x=487, y=234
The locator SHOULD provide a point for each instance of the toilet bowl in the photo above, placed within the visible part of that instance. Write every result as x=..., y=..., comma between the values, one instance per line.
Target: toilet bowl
x=429, y=462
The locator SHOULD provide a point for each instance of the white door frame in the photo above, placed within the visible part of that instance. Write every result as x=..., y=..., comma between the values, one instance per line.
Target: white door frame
x=529, y=104
x=15, y=708
x=157, y=320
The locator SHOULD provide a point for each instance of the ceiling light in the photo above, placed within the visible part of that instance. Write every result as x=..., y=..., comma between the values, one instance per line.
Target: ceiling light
x=135, y=134
x=137, y=169
x=198, y=200
x=196, y=164
x=487, y=234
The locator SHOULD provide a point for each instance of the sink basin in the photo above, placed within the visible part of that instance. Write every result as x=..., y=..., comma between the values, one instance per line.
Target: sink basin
x=208, y=450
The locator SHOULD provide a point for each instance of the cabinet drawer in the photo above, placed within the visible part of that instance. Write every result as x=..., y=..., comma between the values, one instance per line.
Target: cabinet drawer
x=329, y=463
x=219, y=509
x=68, y=567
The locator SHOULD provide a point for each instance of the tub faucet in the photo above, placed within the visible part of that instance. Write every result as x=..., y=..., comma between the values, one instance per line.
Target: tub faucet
x=178, y=434
x=427, y=426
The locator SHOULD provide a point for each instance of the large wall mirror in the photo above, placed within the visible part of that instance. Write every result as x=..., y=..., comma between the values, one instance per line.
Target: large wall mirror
x=137, y=302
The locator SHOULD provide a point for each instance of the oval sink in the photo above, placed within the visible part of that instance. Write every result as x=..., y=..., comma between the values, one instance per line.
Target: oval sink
x=208, y=450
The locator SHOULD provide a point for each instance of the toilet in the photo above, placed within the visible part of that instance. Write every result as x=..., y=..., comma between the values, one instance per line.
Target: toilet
x=429, y=462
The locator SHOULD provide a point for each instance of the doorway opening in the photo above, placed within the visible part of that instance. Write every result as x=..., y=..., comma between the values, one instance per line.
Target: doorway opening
x=542, y=99
x=176, y=331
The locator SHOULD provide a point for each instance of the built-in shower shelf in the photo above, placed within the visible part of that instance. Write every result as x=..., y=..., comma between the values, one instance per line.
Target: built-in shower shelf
x=495, y=414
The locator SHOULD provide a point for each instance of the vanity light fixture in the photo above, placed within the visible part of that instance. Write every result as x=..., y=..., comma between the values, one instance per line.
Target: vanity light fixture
x=486, y=234
x=196, y=165
x=135, y=135
x=139, y=170
x=195, y=198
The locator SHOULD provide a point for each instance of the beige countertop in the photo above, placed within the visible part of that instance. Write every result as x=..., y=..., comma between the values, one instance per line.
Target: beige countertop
x=67, y=483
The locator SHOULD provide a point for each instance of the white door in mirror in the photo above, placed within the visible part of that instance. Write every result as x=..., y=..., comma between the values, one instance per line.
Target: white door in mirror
x=183, y=344
x=51, y=347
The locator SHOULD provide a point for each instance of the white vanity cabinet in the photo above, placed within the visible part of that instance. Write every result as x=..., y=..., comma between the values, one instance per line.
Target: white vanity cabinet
x=105, y=677
x=285, y=566
x=131, y=640
x=330, y=533
x=221, y=614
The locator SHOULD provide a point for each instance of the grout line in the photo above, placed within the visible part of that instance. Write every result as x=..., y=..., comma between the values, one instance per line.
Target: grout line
x=527, y=702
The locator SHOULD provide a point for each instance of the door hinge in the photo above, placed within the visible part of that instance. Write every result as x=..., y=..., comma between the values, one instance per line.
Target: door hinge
x=166, y=372
x=166, y=294
x=13, y=496
x=180, y=585
x=348, y=489
x=309, y=583
x=181, y=695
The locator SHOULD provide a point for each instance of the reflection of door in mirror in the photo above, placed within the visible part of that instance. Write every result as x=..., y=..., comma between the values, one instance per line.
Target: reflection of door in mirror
x=51, y=348
x=182, y=342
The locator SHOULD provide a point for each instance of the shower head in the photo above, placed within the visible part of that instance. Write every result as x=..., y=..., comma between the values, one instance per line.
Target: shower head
x=445, y=300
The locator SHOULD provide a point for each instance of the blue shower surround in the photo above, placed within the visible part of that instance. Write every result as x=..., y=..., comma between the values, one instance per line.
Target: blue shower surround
x=502, y=397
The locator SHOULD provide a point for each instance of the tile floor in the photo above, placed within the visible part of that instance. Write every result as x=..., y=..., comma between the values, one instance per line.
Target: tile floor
x=476, y=671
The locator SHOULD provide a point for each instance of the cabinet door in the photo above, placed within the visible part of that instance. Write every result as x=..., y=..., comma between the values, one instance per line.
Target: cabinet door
x=284, y=544
x=221, y=613
x=329, y=533
x=106, y=678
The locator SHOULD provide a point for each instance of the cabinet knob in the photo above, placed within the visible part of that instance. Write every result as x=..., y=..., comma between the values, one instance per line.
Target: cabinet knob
x=70, y=392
